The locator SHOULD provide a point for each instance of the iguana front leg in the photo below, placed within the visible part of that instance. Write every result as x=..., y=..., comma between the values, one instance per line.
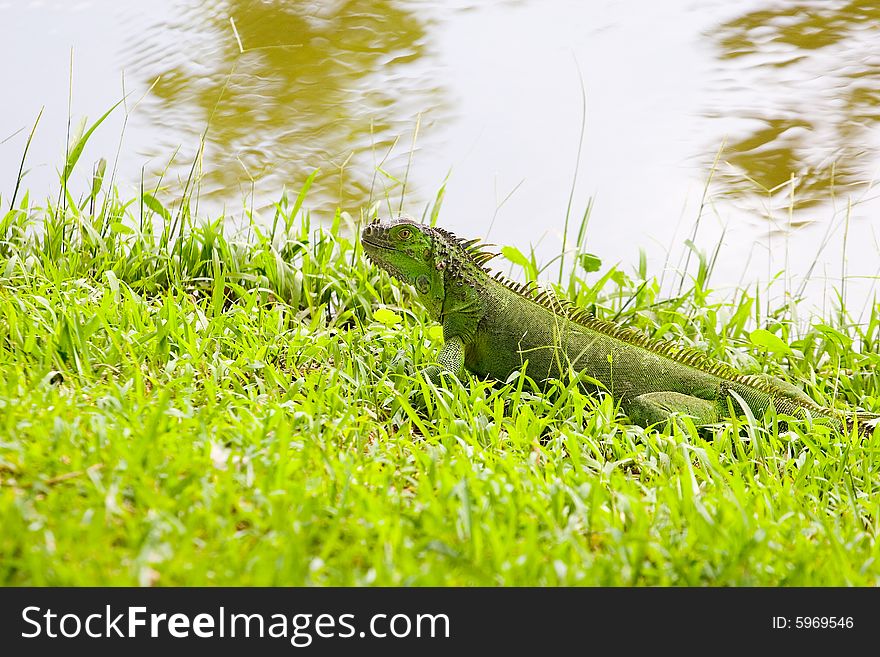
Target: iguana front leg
x=659, y=407
x=451, y=359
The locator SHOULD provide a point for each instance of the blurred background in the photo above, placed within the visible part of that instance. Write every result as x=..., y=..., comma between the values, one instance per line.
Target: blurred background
x=750, y=126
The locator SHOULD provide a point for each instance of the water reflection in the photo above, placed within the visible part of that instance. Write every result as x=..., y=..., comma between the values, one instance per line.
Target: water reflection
x=805, y=78
x=323, y=84
x=793, y=92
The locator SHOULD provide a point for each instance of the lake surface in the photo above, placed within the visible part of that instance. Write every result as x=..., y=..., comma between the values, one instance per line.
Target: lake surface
x=762, y=119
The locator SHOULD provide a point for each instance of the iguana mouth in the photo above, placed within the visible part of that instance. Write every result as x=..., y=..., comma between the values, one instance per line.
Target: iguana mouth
x=375, y=245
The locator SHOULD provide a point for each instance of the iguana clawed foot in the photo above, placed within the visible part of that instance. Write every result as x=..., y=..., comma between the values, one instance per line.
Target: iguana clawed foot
x=440, y=378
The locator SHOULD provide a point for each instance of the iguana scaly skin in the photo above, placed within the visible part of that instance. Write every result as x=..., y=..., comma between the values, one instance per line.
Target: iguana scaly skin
x=493, y=326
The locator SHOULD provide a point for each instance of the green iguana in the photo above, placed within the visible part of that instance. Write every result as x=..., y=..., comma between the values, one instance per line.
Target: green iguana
x=493, y=326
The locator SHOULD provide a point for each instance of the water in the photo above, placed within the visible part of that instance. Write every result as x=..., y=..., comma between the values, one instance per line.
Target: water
x=389, y=98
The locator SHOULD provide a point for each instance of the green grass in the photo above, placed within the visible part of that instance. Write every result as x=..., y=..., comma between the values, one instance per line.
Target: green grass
x=183, y=405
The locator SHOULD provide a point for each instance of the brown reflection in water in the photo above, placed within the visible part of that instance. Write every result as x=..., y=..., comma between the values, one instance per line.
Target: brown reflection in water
x=814, y=69
x=319, y=85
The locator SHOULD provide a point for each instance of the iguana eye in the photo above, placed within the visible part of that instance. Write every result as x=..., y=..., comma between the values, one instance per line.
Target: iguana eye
x=404, y=233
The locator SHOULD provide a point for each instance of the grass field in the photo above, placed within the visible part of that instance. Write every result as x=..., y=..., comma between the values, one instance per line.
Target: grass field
x=184, y=405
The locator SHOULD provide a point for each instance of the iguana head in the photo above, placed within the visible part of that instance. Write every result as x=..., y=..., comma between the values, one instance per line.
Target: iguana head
x=447, y=272
x=409, y=251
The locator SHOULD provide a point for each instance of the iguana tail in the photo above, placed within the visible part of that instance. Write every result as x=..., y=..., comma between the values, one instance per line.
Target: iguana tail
x=865, y=422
